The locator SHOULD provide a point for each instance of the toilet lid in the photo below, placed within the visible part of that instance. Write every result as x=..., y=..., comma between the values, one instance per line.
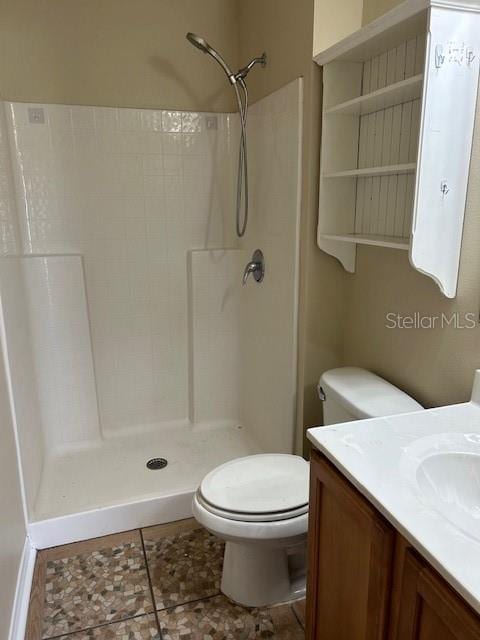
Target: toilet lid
x=260, y=484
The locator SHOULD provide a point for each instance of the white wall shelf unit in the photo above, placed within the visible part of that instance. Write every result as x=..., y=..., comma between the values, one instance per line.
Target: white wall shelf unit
x=399, y=100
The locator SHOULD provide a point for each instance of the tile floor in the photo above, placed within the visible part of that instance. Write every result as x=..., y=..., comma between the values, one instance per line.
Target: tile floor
x=160, y=583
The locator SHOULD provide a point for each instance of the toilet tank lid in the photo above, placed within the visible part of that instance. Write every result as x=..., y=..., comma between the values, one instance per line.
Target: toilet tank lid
x=364, y=394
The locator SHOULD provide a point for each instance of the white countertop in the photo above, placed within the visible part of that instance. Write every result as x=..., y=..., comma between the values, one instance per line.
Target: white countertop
x=378, y=455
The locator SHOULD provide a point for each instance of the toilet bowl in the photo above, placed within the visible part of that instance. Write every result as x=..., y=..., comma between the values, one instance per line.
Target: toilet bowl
x=259, y=506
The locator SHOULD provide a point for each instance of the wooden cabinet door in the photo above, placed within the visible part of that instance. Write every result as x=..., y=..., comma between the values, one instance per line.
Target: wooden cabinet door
x=350, y=560
x=429, y=609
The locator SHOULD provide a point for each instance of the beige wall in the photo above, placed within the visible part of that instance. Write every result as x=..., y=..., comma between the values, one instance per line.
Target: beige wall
x=284, y=29
x=12, y=528
x=116, y=52
x=334, y=21
x=374, y=8
x=436, y=366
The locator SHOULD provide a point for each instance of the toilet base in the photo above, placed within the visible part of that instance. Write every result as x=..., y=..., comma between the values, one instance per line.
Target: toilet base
x=257, y=575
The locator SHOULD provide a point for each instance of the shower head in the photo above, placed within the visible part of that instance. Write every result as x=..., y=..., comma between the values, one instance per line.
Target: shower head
x=203, y=45
x=198, y=42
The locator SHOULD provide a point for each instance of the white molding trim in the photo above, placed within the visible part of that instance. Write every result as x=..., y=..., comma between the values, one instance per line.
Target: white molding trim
x=18, y=621
x=401, y=12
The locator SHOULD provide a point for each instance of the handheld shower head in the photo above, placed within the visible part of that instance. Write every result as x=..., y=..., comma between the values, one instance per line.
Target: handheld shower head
x=237, y=80
x=203, y=45
x=198, y=42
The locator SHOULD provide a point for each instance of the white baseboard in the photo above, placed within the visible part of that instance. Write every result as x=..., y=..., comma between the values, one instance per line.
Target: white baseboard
x=22, y=592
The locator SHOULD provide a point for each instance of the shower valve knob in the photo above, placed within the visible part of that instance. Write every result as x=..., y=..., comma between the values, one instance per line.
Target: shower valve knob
x=256, y=266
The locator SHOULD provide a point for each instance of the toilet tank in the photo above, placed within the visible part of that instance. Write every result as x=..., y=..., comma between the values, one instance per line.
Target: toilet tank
x=351, y=393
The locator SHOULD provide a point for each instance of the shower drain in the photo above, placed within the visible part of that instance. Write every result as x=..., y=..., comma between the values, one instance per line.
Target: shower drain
x=157, y=463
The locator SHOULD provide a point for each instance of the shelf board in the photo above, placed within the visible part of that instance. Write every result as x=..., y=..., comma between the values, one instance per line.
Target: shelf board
x=406, y=20
x=389, y=96
x=387, y=170
x=391, y=242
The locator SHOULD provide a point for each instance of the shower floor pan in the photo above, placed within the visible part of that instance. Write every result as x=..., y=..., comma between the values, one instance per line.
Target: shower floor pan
x=107, y=488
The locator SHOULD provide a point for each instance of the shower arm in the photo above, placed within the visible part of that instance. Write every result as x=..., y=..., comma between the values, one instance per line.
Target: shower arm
x=244, y=71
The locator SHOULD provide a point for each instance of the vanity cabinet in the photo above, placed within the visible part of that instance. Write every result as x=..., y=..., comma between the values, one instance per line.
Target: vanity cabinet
x=365, y=582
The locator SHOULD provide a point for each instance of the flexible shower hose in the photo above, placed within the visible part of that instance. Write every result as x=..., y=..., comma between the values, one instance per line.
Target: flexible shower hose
x=242, y=172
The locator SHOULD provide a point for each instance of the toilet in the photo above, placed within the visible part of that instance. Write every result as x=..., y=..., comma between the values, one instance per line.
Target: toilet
x=259, y=504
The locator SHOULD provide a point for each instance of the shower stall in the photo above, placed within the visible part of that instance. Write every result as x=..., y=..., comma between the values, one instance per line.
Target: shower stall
x=125, y=328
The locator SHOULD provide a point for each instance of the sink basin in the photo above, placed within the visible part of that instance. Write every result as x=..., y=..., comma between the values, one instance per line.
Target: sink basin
x=445, y=471
x=450, y=482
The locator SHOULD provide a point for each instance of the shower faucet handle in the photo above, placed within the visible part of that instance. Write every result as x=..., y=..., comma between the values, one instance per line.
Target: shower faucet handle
x=255, y=266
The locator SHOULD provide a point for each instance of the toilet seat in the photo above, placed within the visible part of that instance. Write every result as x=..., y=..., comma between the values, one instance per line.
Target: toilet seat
x=251, y=517
x=257, y=488
x=277, y=532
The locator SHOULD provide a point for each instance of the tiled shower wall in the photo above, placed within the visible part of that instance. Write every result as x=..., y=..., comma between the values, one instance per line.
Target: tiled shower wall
x=132, y=191
x=8, y=216
x=18, y=354
x=269, y=320
x=218, y=314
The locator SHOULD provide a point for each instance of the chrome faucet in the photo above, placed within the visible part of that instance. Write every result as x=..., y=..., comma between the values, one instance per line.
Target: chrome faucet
x=256, y=266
